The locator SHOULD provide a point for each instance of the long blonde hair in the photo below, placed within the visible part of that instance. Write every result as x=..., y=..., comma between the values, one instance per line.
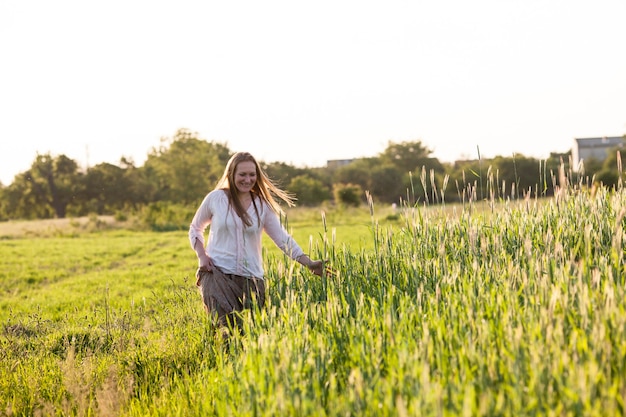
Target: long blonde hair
x=264, y=187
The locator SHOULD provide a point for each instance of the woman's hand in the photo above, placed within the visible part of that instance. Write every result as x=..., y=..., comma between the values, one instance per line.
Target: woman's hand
x=206, y=262
x=317, y=266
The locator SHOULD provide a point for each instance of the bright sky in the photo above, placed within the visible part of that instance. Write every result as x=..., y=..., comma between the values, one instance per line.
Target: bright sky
x=304, y=82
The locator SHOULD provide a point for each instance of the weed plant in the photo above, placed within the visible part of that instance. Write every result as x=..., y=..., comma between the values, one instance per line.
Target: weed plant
x=494, y=308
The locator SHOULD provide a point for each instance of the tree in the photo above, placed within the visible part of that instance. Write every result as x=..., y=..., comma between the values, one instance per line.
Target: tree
x=610, y=174
x=308, y=190
x=18, y=202
x=386, y=183
x=45, y=190
x=358, y=172
x=281, y=173
x=551, y=167
x=410, y=157
x=106, y=188
x=3, y=204
x=519, y=170
x=185, y=168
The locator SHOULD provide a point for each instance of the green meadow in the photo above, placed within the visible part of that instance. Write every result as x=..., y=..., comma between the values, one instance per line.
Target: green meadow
x=495, y=308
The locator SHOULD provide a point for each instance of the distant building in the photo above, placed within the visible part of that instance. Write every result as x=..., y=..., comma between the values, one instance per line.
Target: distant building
x=597, y=148
x=337, y=163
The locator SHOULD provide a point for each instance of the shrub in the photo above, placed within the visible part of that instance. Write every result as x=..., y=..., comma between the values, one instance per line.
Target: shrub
x=347, y=194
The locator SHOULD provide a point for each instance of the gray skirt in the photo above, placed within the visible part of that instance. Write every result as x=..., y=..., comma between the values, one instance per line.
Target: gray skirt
x=225, y=295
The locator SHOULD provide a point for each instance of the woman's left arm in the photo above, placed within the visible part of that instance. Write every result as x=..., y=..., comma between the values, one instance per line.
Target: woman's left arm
x=287, y=243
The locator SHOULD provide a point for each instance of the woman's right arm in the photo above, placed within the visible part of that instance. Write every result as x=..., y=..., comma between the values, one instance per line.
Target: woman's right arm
x=203, y=258
x=198, y=225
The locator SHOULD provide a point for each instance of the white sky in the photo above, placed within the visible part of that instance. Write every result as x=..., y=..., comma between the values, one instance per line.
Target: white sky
x=303, y=82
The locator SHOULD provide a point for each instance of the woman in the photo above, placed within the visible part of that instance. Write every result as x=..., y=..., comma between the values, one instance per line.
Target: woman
x=239, y=209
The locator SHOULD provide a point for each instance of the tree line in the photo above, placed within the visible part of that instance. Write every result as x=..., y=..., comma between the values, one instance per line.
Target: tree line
x=184, y=168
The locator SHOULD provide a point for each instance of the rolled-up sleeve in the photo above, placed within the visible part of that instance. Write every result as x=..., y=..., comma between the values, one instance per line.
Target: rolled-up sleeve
x=280, y=236
x=200, y=221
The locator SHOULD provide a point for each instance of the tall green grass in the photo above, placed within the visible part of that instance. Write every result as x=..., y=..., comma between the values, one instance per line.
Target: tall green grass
x=496, y=308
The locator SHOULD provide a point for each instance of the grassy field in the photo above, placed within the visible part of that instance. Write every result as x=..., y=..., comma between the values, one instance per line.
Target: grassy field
x=490, y=309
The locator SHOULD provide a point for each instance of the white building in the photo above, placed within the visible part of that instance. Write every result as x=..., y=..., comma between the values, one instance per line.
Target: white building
x=597, y=148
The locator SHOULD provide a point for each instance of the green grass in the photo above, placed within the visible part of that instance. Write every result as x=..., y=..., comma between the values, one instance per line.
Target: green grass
x=484, y=309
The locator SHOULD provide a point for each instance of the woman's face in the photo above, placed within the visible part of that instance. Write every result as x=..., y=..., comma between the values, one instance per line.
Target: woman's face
x=245, y=176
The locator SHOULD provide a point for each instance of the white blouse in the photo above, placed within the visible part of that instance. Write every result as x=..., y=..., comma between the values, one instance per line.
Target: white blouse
x=234, y=247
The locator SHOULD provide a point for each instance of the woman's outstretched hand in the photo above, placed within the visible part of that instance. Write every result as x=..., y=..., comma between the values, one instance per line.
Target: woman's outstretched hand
x=317, y=267
x=320, y=269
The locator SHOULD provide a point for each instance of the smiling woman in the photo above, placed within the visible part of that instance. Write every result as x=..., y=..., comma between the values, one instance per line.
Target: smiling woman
x=230, y=267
